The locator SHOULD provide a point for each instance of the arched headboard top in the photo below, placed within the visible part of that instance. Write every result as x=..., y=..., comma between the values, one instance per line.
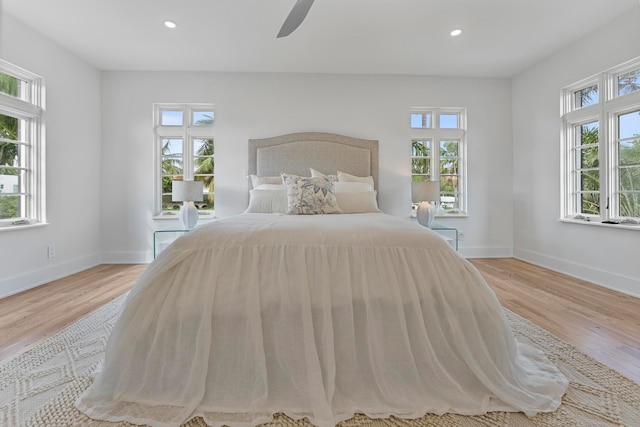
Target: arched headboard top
x=328, y=153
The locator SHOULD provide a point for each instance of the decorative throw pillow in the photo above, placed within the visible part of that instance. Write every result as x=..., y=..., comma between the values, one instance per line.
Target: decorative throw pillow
x=310, y=196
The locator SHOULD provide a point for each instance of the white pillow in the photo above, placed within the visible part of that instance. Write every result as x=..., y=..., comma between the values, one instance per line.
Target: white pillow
x=358, y=202
x=267, y=201
x=352, y=187
x=318, y=174
x=271, y=187
x=345, y=177
x=310, y=196
x=259, y=180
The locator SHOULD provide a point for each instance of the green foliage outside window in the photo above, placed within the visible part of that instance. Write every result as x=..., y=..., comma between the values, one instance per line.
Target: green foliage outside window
x=205, y=165
x=449, y=172
x=420, y=162
x=9, y=84
x=589, y=179
x=629, y=176
x=9, y=205
x=204, y=161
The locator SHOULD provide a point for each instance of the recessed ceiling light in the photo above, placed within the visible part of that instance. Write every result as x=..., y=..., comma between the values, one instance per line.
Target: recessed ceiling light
x=170, y=24
x=456, y=32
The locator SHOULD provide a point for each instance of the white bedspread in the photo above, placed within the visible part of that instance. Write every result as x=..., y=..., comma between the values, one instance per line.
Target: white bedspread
x=315, y=316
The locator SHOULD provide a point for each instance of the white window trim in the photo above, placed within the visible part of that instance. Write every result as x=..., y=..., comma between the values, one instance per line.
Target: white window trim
x=435, y=134
x=31, y=109
x=605, y=112
x=186, y=132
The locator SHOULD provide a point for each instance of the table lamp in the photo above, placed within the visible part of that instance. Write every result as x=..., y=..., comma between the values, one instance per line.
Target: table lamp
x=187, y=192
x=423, y=192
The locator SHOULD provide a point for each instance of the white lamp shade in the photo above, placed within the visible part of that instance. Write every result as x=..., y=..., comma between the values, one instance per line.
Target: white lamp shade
x=425, y=191
x=187, y=191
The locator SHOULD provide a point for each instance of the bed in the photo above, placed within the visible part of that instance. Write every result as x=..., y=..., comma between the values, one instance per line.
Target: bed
x=316, y=316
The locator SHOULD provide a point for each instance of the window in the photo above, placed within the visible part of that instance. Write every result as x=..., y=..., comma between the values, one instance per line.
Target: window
x=21, y=147
x=437, y=154
x=184, y=151
x=601, y=139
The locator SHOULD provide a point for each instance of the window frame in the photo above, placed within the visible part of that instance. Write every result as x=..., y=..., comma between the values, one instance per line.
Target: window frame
x=188, y=133
x=435, y=134
x=29, y=107
x=605, y=112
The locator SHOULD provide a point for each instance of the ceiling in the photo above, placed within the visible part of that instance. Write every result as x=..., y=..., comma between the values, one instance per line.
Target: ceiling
x=500, y=37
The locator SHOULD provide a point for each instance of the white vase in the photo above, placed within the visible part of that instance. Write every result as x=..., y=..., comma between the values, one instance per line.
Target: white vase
x=188, y=215
x=425, y=214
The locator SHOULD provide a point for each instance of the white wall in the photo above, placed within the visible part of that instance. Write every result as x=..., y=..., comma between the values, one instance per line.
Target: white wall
x=601, y=255
x=73, y=165
x=251, y=105
x=100, y=180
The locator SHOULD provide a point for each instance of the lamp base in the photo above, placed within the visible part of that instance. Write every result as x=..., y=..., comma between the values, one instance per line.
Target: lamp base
x=425, y=214
x=188, y=215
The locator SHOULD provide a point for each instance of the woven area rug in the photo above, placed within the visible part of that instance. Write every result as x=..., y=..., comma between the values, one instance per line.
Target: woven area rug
x=40, y=386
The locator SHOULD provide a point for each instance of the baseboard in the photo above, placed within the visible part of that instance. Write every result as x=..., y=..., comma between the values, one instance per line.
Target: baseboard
x=487, y=252
x=33, y=279
x=617, y=282
x=127, y=257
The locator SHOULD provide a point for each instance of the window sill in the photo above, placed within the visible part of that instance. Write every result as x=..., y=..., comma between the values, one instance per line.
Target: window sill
x=11, y=227
x=635, y=227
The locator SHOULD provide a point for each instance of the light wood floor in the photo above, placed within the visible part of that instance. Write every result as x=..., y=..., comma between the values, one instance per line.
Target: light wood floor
x=31, y=316
x=599, y=322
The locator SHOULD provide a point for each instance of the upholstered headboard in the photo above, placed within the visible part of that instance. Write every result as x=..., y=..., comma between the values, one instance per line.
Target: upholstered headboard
x=326, y=152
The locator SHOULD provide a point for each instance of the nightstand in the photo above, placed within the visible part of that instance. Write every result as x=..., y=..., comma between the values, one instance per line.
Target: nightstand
x=163, y=238
x=449, y=233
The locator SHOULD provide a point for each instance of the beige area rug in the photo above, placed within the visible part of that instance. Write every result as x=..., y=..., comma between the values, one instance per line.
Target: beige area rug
x=40, y=386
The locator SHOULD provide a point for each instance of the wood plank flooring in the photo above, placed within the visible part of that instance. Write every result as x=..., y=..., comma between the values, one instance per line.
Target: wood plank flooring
x=599, y=322
x=31, y=316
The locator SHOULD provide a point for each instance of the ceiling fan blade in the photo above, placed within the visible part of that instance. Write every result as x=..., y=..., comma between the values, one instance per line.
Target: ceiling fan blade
x=295, y=18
